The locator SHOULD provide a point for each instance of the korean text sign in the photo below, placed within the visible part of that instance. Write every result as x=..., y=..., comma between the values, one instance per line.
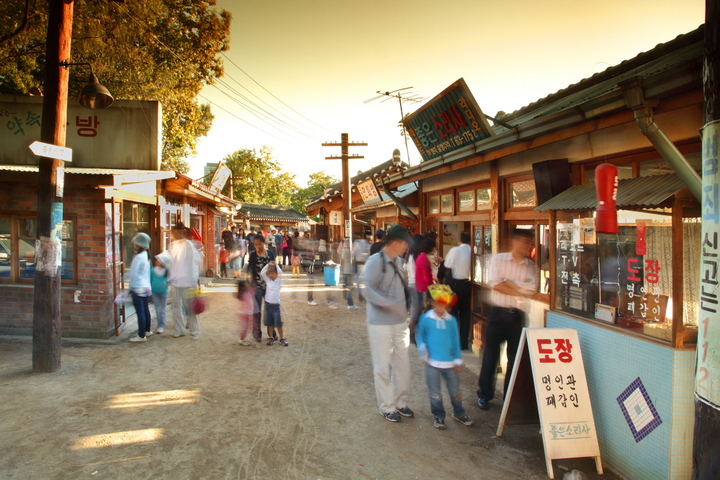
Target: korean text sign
x=449, y=121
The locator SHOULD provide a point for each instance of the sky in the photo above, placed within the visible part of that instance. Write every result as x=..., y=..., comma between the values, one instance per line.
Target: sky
x=313, y=66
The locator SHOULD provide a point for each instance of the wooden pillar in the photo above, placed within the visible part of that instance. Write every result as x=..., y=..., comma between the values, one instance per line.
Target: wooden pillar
x=47, y=334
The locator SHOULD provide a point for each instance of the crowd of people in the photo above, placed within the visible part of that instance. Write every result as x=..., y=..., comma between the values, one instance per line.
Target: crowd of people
x=411, y=293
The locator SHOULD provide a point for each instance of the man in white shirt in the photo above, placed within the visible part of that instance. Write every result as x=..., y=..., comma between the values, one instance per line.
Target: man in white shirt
x=184, y=274
x=457, y=263
x=512, y=279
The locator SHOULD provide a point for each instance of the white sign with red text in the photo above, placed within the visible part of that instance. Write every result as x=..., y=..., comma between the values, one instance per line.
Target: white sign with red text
x=561, y=393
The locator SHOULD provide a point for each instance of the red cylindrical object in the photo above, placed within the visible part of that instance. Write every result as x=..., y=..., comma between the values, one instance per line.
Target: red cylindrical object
x=606, y=183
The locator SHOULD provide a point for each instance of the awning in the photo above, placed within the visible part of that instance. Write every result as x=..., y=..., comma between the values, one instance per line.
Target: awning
x=642, y=192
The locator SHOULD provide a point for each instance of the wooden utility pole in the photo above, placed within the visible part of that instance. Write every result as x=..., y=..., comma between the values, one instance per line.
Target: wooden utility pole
x=346, y=188
x=47, y=335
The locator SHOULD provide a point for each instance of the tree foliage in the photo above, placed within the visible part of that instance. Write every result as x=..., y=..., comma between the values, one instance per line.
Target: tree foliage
x=164, y=50
x=258, y=178
x=316, y=183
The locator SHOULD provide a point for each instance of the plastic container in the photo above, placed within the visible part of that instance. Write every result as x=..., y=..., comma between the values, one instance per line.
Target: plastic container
x=332, y=275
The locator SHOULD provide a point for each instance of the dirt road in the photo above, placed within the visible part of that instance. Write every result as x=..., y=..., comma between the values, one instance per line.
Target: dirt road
x=210, y=409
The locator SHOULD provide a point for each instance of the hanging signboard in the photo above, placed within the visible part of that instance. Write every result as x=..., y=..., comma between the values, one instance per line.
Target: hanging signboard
x=549, y=360
x=368, y=192
x=449, y=121
x=220, y=177
x=335, y=217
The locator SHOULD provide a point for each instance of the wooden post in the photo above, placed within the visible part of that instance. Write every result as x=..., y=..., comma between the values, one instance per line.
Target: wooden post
x=47, y=335
x=706, y=442
x=346, y=187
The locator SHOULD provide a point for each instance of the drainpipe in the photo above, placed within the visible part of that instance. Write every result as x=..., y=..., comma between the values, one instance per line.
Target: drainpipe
x=397, y=201
x=643, y=111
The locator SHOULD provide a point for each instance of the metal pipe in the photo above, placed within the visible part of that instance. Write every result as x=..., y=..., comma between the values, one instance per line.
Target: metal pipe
x=668, y=150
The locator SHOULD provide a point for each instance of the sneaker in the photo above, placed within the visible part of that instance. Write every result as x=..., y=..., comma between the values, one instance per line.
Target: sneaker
x=196, y=336
x=483, y=404
x=405, y=412
x=391, y=416
x=160, y=331
x=178, y=335
x=147, y=334
x=284, y=342
x=353, y=307
x=439, y=423
x=137, y=339
x=332, y=306
x=244, y=343
x=312, y=302
x=465, y=420
x=270, y=341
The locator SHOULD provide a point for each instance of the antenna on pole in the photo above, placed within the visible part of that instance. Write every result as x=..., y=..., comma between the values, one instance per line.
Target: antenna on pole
x=406, y=97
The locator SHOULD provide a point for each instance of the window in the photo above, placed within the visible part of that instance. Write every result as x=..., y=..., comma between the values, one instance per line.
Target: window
x=446, y=203
x=17, y=249
x=522, y=194
x=483, y=195
x=626, y=278
x=433, y=204
x=466, y=201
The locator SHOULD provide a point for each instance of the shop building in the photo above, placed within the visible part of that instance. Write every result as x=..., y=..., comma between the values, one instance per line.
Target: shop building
x=633, y=296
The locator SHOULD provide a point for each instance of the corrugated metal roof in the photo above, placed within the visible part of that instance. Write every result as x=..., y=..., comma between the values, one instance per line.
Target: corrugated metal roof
x=643, y=192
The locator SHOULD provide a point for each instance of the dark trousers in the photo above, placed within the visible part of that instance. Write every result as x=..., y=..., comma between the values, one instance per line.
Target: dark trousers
x=348, y=287
x=142, y=310
x=257, y=316
x=461, y=310
x=503, y=325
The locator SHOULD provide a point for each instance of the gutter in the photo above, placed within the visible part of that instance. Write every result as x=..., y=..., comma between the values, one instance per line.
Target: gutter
x=643, y=112
x=397, y=201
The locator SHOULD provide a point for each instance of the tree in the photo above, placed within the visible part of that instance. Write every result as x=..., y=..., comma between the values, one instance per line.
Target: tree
x=164, y=50
x=259, y=178
x=317, y=182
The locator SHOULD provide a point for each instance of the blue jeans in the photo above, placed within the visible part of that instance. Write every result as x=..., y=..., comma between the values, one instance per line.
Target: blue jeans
x=433, y=378
x=272, y=315
x=257, y=316
x=160, y=302
x=142, y=310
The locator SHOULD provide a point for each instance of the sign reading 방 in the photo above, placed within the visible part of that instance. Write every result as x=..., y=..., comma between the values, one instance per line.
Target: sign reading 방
x=449, y=121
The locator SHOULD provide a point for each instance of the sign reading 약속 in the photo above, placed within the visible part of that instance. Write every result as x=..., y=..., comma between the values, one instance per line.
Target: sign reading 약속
x=561, y=391
x=449, y=121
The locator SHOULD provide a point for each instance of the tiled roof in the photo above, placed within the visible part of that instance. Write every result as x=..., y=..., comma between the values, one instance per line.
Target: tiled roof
x=256, y=211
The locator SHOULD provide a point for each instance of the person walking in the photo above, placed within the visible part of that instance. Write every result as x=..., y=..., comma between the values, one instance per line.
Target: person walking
x=159, y=288
x=140, y=286
x=388, y=334
x=379, y=241
x=423, y=279
x=184, y=275
x=457, y=263
x=512, y=279
x=257, y=260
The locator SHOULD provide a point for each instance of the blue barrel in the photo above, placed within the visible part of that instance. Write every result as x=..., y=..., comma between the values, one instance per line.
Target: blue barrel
x=332, y=275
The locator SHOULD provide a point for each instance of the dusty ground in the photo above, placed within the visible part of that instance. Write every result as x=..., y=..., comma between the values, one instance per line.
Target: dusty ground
x=210, y=409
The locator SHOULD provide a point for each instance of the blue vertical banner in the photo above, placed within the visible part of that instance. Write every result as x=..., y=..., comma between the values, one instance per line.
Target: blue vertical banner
x=707, y=380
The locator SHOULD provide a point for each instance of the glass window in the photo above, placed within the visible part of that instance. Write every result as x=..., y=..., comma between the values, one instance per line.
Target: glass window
x=626, y=278
x=68, y=250
x=26, y=247
x=483, y=196
x=466, y=201
x=434, y=204
x=5, y=247
x=446, y=203
x=522, y=194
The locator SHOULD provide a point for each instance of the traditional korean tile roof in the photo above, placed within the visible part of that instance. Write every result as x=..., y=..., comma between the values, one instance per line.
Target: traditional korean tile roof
x=271, y=213
x=385, y=168
x=641, y=192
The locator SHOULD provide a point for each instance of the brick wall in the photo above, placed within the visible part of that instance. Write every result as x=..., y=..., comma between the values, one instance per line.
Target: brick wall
x=93, y=317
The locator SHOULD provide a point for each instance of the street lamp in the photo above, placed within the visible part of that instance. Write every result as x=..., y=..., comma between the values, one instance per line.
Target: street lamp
x=93, y=95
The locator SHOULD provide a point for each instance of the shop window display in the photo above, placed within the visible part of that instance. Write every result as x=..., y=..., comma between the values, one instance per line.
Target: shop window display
x=626, y=278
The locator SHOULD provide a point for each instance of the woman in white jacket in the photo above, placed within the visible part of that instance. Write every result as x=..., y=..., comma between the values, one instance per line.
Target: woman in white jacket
x=140, y=286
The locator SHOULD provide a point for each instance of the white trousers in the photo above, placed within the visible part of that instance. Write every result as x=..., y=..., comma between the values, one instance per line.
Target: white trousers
x=183, y=310
x=391, y=364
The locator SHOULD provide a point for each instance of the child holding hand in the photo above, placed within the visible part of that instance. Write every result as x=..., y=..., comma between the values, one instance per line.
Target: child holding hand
x=438, y=344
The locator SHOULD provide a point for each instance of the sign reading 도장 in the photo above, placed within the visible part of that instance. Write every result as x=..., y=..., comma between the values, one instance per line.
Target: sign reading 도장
x=449, y=121
x=561, y=393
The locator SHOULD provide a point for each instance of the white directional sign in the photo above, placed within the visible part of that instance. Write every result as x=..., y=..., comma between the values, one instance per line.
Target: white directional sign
x=51, y=151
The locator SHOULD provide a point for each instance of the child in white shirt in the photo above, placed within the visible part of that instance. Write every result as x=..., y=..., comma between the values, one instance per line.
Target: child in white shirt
x=272, y=275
